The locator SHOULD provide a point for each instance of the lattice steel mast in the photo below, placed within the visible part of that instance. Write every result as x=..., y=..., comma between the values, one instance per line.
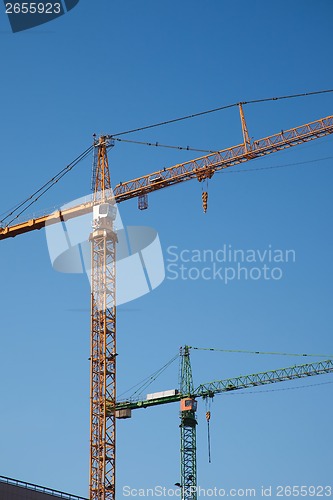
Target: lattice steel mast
x=103, y=332
x=188, y=423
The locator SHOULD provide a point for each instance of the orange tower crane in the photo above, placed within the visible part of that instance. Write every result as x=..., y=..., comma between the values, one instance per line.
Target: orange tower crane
x=103, y=243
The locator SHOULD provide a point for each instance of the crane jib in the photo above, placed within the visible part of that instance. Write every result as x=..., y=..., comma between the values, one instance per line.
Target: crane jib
x=243, y=382
x=200, y=168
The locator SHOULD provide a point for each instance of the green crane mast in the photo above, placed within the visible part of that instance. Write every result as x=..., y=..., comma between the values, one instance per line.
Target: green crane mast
x=187, y=396
x=188, y=423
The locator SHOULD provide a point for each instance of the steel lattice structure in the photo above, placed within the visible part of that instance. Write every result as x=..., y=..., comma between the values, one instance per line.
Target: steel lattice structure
x=199, y=168
x=209, y=389
x=188, y=424
x=188, y=453
x=103, y=278
x=103, y=341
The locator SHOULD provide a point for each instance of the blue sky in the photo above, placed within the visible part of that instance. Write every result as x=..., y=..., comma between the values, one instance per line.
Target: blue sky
x=111, y=66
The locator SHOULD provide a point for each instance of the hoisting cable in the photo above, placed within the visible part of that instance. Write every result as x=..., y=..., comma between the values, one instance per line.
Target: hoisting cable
x=67, y=169
x=159, y=145
x=45, y=187
x=262, y=352
x=148, y=380
x=208, y=435
x=231, y=393
x=227, y=171
x=214, y=110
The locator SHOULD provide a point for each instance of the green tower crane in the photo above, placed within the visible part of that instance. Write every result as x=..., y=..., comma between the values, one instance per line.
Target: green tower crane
x=187, y=395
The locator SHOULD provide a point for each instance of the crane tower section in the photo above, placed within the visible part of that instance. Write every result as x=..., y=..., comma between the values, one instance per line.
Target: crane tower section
x=103, y=333
x=188, y=423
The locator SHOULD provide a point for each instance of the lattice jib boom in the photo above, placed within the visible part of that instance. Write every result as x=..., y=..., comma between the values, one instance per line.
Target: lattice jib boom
x=242, y=382
x=199, y=168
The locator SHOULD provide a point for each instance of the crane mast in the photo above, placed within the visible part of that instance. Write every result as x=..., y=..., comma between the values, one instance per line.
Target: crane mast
x=103, y=333
x=188, y=423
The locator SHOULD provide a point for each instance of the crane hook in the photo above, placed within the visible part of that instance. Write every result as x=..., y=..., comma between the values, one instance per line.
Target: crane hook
x=204, y=197
x=208, y=434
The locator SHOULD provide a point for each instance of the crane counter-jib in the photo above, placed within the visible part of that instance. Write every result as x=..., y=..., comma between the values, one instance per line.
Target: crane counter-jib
x=147, y=403
x=45, y=220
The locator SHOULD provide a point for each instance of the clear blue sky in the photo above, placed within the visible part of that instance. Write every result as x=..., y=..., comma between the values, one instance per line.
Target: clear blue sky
x=111, y=66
